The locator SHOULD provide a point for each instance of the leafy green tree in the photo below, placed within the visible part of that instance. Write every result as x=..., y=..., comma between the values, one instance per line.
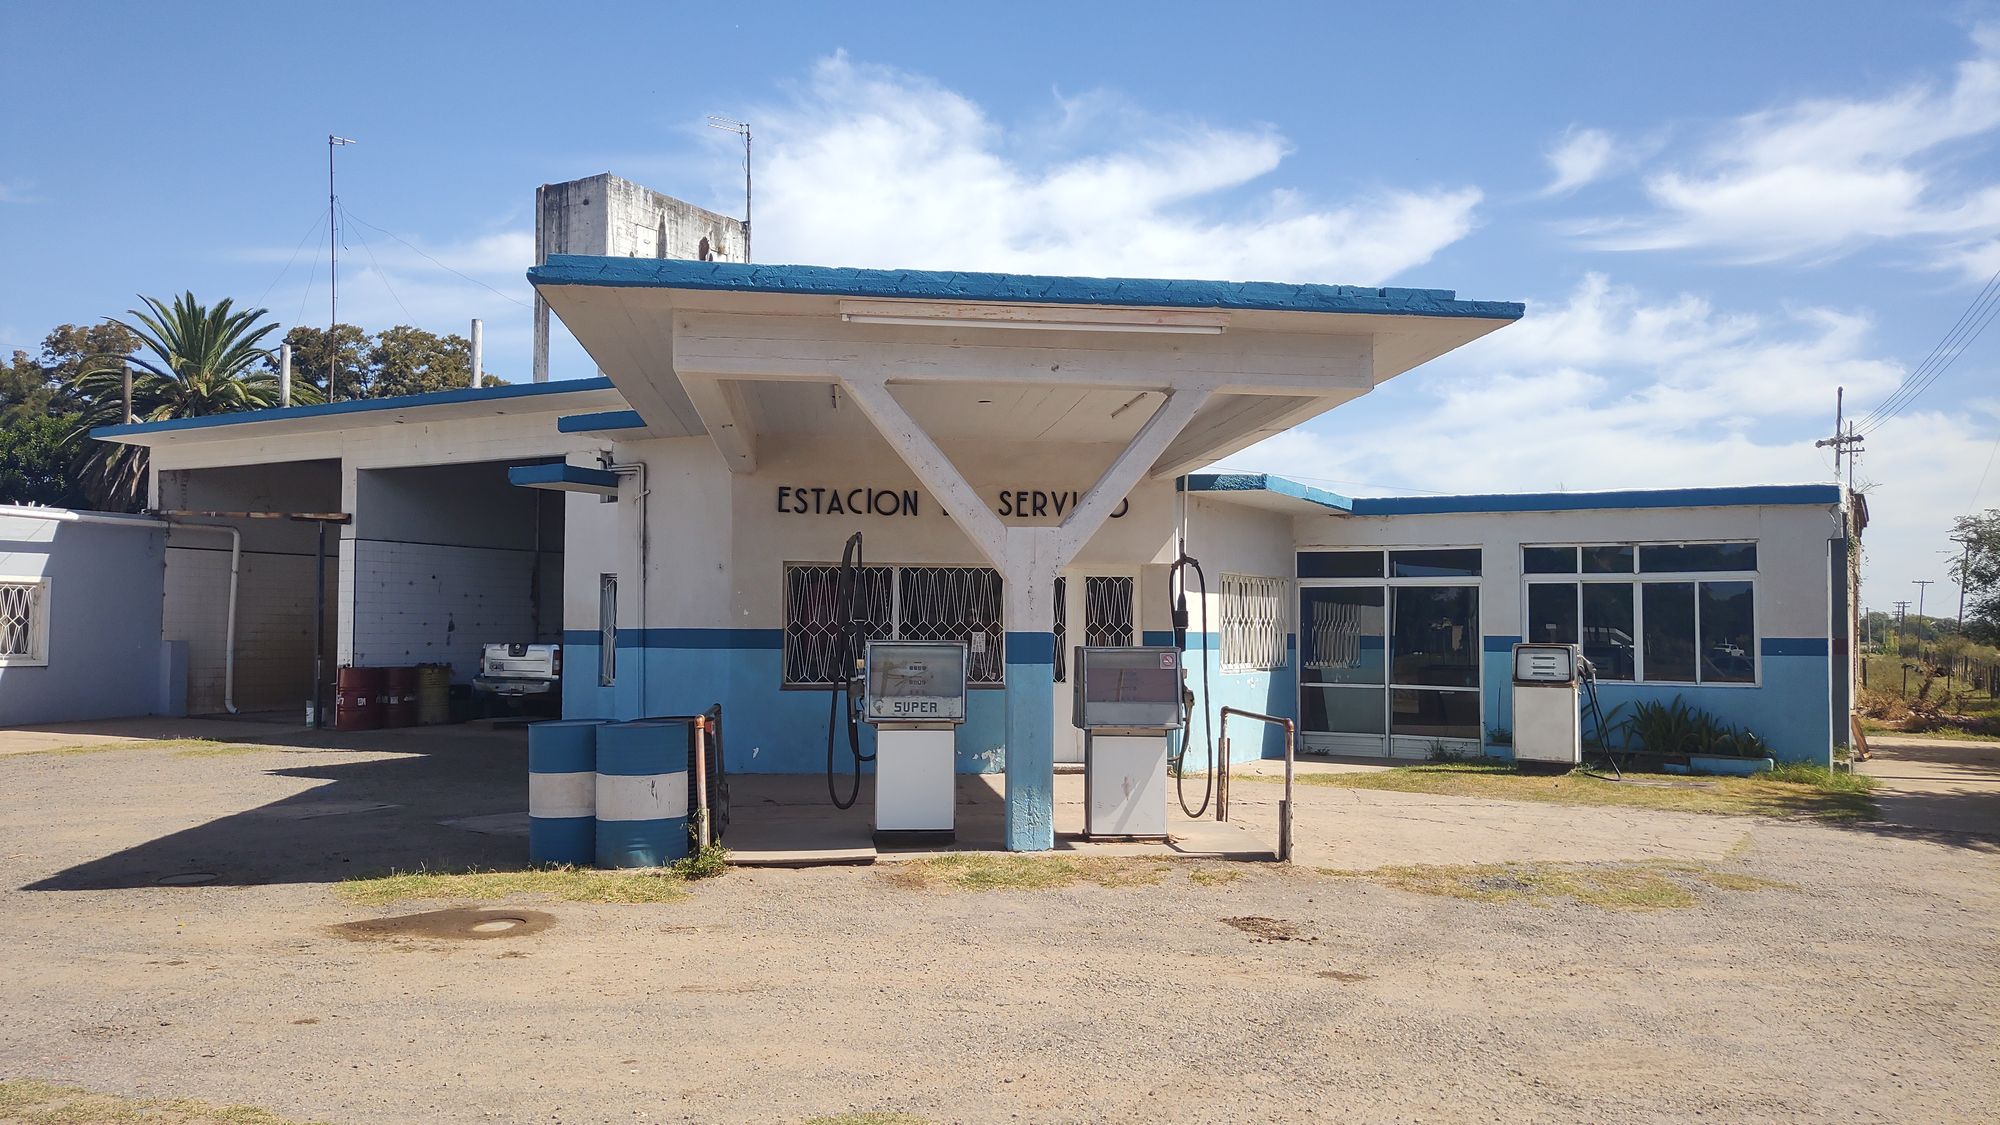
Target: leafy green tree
x=315, y=350
x=38, y=385
x=38, y=460
x=410, y=361
x=195, y=360
x=1977, y=571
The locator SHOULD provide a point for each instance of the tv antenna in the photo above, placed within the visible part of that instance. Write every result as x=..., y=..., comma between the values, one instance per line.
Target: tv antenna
x=332, y=266
x=741, y=129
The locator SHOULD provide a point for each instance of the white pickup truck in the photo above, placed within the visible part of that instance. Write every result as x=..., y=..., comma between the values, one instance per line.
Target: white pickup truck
x=517, y=671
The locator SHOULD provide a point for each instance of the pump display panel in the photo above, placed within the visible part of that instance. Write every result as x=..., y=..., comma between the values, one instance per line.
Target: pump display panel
x=1544, y=663
x=1132, y=688
x=915, y=682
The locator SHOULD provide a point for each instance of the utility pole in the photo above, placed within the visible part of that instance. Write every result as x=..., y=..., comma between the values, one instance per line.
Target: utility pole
x=1964, y=564
x=1902, y=611
x=742, y=129
x=1845, y=442
x=332, y=267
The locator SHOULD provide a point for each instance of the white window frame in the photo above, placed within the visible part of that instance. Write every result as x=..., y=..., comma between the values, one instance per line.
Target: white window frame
x=1243, y=649
x=1388, y=584
x=1637, y=579
x=40, y=600
x=895, y=571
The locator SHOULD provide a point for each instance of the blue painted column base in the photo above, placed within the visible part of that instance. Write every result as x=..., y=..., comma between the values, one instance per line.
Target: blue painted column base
x=1031, y=749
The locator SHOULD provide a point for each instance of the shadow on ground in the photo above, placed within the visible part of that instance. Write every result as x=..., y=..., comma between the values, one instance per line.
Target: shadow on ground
x=373, y=815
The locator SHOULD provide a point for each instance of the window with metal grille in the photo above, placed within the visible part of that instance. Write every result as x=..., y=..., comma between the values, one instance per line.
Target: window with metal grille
x=607, y=629
x=24, y=621
x=903, y=603
x=1254, y=622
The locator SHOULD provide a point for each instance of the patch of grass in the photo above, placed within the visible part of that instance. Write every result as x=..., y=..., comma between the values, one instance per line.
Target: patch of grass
x=976, y=872
x=1818, y=777
x=1214, y=876
x=1802, y=792
x=26, y=1101
x=1650, y=885
x=224, y=750
x=193, y=747
x=1988, y=732
x=704, y=863
x=561, y=882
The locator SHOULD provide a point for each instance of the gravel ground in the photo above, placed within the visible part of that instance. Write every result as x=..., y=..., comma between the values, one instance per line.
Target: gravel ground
x=1865, y=989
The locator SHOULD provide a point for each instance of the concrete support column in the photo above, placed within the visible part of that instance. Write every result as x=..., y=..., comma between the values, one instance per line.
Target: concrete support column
x=1029, y=577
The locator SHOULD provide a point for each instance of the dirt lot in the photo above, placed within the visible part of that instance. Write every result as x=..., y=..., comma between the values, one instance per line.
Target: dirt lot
x=1796, y=971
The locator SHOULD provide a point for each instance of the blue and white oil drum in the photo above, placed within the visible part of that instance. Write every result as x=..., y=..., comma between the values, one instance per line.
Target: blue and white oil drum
x=642, y=793
x=562, y=791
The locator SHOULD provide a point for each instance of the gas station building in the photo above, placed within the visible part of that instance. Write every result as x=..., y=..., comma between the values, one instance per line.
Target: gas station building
x=1025, y=458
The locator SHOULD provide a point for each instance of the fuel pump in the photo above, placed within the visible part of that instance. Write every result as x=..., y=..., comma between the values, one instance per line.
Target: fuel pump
x=915, y=700
x=1126, y=701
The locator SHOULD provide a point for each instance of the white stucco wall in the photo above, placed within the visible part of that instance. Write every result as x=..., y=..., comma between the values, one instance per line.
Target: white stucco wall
x=104, y=655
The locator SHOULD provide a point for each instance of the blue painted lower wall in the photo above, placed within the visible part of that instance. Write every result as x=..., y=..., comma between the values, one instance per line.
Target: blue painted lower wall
x=1791, y=708
x=770, y=730
x=765, y=729
x=1274, y=692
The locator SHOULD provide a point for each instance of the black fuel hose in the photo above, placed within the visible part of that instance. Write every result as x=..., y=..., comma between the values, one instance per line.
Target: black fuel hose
x=850, y=601
x=1177, y=590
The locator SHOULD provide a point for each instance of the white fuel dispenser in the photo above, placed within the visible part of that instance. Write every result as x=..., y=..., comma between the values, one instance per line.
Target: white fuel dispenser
x=1126, y=701
x=1548, y=722
x=915, y=700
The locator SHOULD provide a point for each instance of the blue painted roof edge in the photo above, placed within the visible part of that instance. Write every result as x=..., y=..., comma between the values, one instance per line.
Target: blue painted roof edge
x=672, y=273
x=602, y=420
x=1265, y=482
x=1724, y=496
x=556, y=472
x=357, y=406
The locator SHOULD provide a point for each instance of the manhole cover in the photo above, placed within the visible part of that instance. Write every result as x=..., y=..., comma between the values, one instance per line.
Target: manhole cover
x=187, y=879
x=457, y=924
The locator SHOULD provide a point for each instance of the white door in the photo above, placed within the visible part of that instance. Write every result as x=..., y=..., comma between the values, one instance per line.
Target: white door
x=1094, y=606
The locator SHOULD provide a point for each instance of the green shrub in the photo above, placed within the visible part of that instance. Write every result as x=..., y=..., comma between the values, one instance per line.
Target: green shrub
x=1675, y=729
x=703, y=863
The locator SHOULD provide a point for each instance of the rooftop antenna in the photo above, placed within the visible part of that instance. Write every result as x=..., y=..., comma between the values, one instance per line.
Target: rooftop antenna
x=742, y=129
x=332, y=267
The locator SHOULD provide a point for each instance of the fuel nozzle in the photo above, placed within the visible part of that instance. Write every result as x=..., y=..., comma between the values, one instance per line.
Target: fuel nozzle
x=1181, y=621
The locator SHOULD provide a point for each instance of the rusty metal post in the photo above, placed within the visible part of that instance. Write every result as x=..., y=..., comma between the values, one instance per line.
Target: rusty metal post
x=702, y=838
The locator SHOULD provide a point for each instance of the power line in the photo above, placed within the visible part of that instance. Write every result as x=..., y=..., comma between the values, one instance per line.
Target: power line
x=434, y=261
x=1970, y=325
x=296, y=251
x=380, y=275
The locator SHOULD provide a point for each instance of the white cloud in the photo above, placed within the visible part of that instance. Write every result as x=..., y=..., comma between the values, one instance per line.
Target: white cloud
x=1579, y=157
x=1610, y=388
x=16, y=191
x=868, y=166
x=1824, y=176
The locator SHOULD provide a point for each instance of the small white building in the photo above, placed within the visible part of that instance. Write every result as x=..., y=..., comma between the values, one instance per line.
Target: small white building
x=1024, y=457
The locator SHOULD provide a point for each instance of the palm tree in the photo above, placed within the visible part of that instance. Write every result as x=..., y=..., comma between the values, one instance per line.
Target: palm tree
x=202, y=361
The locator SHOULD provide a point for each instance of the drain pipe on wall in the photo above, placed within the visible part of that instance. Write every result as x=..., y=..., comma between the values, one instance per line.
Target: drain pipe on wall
x=637, y=471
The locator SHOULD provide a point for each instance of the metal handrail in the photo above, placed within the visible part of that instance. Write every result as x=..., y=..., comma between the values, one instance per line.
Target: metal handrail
x=1222, y=776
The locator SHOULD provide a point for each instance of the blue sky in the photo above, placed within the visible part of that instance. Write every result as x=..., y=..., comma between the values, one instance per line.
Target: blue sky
x=1716, y=212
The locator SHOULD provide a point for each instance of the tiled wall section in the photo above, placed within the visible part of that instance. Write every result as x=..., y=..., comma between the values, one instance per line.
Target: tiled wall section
x=420, y=603
x=274, y=625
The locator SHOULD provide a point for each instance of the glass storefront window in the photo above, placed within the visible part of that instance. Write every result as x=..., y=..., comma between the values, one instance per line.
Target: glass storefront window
x=1341, y=710
x=1682, y=558
x=1607, y=629
x=1728, y=633
x=1548, y=560
x=1455, y=563
x=1551, y=613
x=1341, y=637
x=1435, y=635
x=1670, y=647
x=1340, y=564
x=1434, y=714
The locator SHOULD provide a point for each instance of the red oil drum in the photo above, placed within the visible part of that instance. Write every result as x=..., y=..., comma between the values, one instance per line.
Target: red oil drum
x=399, y=696
x=356, y=698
